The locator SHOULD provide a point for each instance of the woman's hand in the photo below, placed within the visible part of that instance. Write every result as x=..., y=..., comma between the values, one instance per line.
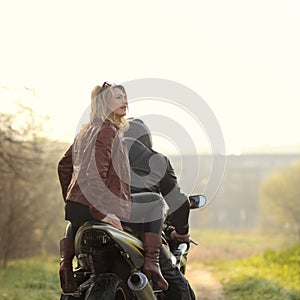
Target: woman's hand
x=113, y=220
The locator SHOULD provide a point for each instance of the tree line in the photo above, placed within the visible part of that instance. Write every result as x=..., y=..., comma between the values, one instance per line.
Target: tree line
x=31, y=205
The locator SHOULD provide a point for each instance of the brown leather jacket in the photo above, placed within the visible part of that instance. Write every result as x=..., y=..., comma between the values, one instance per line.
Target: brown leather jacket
x=95, y=172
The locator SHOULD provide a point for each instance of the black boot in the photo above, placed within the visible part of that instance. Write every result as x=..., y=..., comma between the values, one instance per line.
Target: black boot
x=152, y=246
x=67, y=252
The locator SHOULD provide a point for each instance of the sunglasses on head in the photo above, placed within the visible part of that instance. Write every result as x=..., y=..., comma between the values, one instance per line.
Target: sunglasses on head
x=107, y=84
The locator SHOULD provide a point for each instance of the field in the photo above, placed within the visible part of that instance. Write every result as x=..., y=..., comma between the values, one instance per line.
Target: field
x=215, y=245
x=245, y=265
x=30, y=279
x=272, y=275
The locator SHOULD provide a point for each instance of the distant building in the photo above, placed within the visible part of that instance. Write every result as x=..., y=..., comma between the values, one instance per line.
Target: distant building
x=236, y=203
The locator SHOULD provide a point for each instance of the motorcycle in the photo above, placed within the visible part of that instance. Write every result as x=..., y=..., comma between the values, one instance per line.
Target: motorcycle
x=109, y=262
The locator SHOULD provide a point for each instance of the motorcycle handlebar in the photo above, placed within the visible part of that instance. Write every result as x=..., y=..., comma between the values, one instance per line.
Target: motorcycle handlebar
x=193, y=242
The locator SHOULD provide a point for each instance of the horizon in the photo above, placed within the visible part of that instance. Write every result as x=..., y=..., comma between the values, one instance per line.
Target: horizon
x=159, y=143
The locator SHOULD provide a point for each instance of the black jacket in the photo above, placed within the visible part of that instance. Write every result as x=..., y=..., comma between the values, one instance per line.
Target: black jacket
x=152, y=172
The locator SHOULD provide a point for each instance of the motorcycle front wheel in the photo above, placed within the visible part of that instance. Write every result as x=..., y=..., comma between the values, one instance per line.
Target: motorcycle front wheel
x=108, y=287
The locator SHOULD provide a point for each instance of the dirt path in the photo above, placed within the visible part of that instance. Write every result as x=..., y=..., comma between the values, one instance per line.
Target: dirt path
x=205, y=286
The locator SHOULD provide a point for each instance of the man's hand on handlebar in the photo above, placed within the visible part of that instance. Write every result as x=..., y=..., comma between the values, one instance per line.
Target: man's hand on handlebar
x=179, y=237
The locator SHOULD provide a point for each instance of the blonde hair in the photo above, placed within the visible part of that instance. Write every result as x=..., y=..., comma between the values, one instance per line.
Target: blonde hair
x=100, y=111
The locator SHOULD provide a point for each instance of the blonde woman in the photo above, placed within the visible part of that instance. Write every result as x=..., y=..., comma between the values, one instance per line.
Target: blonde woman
x=95, y=180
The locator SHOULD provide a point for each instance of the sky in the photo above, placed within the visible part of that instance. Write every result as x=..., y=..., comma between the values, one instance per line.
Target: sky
x=241, y=57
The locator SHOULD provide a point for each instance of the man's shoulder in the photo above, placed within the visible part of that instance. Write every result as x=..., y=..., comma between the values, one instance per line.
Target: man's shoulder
x=159, y=154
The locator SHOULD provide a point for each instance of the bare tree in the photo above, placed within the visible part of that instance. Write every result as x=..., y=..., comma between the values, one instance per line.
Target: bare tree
x=20, y=158
x=50, y=206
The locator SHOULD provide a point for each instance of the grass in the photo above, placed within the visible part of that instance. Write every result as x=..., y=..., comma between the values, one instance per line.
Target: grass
x=250, y=265
x=272, y=275
x=30, y=279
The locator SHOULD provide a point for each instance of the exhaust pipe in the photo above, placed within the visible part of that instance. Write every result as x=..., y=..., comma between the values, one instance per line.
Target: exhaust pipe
x=138, y=282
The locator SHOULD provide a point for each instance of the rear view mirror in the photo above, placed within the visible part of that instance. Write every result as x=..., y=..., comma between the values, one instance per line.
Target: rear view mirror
x=197, y=201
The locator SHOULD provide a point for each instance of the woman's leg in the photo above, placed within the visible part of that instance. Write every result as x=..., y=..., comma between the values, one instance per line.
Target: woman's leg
x=150, y=209
x=70, y=231
x=77, y=214
x=67, y=252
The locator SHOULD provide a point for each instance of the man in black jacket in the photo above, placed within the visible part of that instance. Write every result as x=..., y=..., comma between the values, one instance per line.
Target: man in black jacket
x=152, y=172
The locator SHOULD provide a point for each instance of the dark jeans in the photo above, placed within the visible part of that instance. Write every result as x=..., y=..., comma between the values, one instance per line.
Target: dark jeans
x=179, y=287
x=147, y=213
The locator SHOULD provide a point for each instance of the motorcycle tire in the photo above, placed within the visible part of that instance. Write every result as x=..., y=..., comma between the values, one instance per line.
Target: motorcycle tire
x=108, y=287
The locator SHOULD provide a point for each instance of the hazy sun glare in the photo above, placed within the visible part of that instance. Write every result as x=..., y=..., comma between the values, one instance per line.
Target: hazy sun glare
x=241, y=57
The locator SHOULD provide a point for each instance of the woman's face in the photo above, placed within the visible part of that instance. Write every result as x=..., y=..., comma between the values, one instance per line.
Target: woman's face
x=118, y=102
